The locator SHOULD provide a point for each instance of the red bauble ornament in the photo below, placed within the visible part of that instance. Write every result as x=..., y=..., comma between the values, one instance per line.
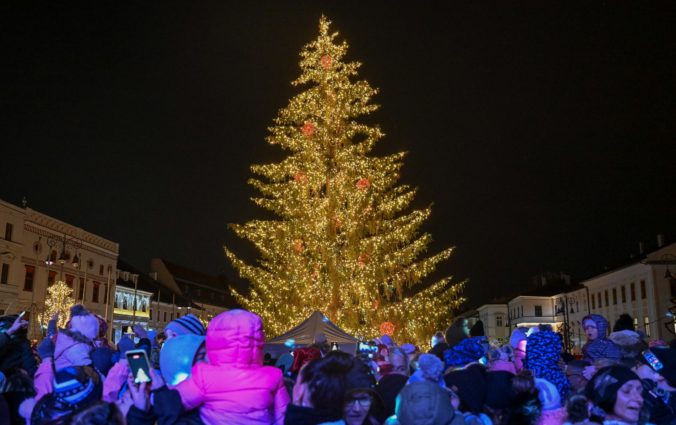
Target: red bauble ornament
x=300, y=178
x=326, y=62
x=363, y=184
x=363, y=259
x=308, y=129
x=387, y=328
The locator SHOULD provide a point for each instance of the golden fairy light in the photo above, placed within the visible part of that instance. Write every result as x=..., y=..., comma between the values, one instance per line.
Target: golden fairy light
x=59, y=300
x=345, y=241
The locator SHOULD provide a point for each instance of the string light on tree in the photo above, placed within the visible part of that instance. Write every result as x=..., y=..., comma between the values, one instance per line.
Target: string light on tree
x=345, y=240
x=59, y=300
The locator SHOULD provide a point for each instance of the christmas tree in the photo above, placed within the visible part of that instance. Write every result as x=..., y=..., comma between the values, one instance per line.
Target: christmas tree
x=59, y=300
x=344, y=241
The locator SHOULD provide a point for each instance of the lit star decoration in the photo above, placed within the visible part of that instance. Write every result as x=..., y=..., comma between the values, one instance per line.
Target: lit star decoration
x=309, y=259
x=59, y=300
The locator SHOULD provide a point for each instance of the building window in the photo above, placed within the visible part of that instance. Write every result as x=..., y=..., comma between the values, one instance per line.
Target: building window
x=4, y=275
x=643, y=294
x=593, y=301
x=614, y=296
x=172, y=315
x=646, y=325
x=28, y=280
x=498, y=321
x=538, y=311
x=632, y=291
x=623, y=292
x=69, y=280
x=165, y=316
x=600, y=299
x=605, y=295
x=81, y=289
x=672, y=285
x=101, y=269
x=8, y=231
x=95, y=292
x=635, y=322
x=51, y=277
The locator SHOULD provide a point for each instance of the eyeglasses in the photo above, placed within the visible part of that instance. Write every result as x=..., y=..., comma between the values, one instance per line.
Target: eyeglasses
x=363, y=401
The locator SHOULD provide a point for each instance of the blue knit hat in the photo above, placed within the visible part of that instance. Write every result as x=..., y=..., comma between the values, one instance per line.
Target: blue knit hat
x=188, y=324
x=466, y=351
x=543, y=350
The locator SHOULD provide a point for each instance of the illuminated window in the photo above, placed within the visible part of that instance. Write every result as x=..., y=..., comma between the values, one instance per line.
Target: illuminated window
x=646, y=325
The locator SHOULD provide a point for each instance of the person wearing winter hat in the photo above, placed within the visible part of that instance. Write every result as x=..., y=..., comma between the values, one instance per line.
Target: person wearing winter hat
x=188, y=324
x=616, y=394
x=389, y=385
x=470, y=386
x=542, y=358
x=598, y=346
x=467, y=351
x=75, y=388
x=178, y=356
x=553, y=413
x=518, y=341
x=235, y=386
x=362, y=404
x=425, y=403
x=624, y=323
x=74, y=344
x=430, y=368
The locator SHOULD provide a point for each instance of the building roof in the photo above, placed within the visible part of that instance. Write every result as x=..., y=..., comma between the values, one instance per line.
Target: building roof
x=216, y=290
x=146, y=283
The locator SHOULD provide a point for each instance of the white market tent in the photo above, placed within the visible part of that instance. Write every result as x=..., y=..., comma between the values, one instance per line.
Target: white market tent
x=304, y=334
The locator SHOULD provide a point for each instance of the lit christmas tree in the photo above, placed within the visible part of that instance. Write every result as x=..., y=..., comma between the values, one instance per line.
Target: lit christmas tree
x=59, y=300
x=344, y=242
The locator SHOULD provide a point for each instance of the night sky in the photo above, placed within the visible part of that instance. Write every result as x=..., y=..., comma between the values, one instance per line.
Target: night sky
x=543, y=134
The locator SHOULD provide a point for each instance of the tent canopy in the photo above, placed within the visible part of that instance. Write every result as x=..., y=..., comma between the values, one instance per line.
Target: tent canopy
x=317, y=323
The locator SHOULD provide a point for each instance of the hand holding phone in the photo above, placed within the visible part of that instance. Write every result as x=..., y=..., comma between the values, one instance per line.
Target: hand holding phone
x=139, y=365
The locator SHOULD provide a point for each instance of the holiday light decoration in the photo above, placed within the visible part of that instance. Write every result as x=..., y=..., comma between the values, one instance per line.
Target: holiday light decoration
x=59, y=300
x=387, y=328
x=345, y=241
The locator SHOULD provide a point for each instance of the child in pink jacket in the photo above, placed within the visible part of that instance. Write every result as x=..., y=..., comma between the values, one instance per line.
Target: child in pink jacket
x=234, y=387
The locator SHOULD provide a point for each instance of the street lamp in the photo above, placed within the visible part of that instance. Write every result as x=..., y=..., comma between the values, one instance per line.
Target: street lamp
x=63, y=256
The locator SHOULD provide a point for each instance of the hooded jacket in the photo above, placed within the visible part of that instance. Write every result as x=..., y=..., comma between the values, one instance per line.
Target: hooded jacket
x=601, y=347
x=235, y=387
x=542, y=358
x=72, y=349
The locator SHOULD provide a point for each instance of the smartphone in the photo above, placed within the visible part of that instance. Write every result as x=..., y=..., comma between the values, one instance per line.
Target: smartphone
x=139, y=365
x=23, y=313
x=652, y=360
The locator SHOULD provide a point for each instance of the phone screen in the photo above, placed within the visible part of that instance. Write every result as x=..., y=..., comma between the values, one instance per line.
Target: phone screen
x=139, y=366
x=652, y=359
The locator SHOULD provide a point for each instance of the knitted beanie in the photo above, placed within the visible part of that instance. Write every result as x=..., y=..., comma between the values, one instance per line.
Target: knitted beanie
x=83, y=322
x=188, y=324
x=543, y=350
x=606, y=382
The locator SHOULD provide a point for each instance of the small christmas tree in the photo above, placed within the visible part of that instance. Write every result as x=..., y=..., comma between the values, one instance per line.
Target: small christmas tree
x=59, y=300
x=344, y=242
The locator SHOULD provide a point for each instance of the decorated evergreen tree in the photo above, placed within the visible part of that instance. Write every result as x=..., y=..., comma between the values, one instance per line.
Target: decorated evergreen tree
x=345, y=242
x=59, y=300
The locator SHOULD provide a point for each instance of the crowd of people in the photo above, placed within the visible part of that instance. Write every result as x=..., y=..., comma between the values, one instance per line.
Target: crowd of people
x=221, y=375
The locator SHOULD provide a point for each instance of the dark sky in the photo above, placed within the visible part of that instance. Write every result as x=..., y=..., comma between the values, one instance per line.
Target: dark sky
x=543, y=134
